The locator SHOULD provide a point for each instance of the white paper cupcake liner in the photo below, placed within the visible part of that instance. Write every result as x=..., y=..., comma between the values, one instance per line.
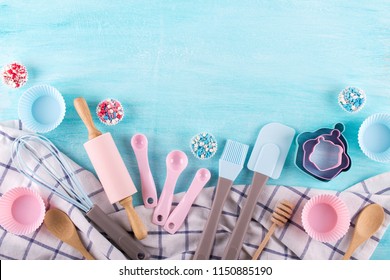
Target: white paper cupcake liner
x=41, y=108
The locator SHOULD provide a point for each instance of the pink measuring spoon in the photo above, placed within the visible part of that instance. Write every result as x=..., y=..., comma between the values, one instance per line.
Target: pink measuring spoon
x=176, y=219
x=139, y=142
x=176, y=162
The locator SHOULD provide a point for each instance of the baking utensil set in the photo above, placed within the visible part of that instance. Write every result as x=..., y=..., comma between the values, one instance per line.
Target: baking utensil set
x=321, y=154
x=40, y=161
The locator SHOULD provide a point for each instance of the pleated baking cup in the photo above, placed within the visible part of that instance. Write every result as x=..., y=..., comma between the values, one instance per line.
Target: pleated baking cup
x=325, y=218
x=374, y=137
x=22, y=211
x=41, y=108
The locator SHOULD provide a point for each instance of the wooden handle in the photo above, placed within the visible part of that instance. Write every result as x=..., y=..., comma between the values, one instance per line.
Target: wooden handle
x=264, y=242
x=85, y=253
x=355, y=243
x=82, y=109
x=348, y=254
x=136, y=224
x=76, y=243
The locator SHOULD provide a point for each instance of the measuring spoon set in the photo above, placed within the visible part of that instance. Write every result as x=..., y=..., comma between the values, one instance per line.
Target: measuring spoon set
x=176, y=162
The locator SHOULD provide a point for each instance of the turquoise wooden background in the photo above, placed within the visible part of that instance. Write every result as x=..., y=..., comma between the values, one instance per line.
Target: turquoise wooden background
x=225, y=67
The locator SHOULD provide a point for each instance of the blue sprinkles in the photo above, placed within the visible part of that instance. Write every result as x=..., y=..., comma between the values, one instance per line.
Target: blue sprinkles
x=203, y=145
x=352, y=99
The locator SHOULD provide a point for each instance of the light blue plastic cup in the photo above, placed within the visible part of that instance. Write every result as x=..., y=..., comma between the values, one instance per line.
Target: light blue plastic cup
x=41, y=108
x=374, y=137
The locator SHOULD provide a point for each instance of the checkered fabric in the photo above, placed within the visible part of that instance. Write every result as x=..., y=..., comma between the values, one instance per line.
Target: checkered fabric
x=288, y=242
x=41, y=244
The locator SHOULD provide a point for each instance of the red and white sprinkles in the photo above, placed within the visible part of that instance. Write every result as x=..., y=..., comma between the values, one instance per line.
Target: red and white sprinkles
x=14, y=75
x=110, y=111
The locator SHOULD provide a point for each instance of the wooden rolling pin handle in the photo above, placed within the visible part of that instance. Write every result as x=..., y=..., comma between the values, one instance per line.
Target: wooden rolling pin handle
x=85, y=114
x=137, y=225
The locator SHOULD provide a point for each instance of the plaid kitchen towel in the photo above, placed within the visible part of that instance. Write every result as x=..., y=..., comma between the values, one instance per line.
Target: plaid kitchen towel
x=288, y=242
x=41, y=244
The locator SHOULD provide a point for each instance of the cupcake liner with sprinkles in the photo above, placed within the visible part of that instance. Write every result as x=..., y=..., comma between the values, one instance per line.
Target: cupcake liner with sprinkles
x=352, y=99
x=203, y=145
x=14, y=75
x=110, y=111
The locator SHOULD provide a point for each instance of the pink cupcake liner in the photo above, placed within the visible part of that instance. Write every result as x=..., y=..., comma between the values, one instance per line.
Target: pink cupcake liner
x=22, y=211
x=325, y=218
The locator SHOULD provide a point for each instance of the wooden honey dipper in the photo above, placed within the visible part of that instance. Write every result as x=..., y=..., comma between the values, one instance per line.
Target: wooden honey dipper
x=282, y=213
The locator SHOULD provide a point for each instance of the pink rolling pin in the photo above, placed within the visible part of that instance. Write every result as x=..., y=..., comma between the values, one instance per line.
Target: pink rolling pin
x=110, y=168
x=176, y=219
x=139, y=142
x=176, y=162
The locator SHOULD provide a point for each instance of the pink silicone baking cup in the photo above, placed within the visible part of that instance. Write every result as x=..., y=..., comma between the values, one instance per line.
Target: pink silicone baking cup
x=22, y=210
x=325, y=218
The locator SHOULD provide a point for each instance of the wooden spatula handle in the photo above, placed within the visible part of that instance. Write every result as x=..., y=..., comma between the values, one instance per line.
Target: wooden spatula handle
x=137, y=225
x=85, y=114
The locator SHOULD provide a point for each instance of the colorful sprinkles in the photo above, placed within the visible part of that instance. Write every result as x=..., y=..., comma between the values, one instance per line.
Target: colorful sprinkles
x=203, y=145
x=352, y=99
x=110, y=111
x=14, y=75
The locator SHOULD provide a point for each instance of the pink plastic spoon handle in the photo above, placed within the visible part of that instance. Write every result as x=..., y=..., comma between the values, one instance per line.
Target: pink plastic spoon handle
x=176, y=162
x=161, y=212
x=149, y=192
x=178, y=215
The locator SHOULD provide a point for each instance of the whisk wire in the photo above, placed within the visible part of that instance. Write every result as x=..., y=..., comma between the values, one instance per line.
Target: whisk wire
x=25, y=155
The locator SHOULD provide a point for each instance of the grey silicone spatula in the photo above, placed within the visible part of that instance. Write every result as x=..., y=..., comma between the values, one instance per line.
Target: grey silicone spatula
x=267, y=161
x=230, y=165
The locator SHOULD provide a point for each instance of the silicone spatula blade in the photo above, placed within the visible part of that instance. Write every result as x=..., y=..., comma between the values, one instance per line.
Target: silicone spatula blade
x=271, y=148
